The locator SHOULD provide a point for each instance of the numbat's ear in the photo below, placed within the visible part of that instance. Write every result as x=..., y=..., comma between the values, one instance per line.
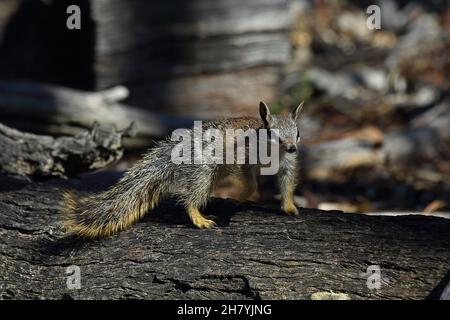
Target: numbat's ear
x=264, y=112
x=296, y=112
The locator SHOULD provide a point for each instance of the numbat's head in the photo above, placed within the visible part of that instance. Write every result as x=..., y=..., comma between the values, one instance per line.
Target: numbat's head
x=287, y=125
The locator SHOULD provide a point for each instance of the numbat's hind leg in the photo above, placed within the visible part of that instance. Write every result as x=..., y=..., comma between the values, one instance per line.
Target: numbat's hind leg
x=199, y=186
x=198, y=219
x=248, y=188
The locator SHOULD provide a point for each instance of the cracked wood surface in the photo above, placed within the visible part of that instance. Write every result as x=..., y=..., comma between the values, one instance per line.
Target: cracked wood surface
x=30, y=155
x=255, y=253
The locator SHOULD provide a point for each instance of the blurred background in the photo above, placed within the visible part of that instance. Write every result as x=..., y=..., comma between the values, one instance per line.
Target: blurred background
x=376, y=124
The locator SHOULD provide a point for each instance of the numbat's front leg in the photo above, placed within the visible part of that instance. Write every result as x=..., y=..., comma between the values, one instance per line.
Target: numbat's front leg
x=288, y=206
x=249, y=185
x=287, y=187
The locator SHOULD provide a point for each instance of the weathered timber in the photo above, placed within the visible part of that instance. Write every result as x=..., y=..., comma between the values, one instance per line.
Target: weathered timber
x=58, y=110
x=193, y=58
x=255, y=253
x=29, y=155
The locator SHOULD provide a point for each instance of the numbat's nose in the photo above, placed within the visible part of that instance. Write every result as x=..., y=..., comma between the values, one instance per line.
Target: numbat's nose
x=291, y=148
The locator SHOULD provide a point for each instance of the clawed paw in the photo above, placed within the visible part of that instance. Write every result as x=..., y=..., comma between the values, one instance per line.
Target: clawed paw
x=291, y=210
x=204, y=223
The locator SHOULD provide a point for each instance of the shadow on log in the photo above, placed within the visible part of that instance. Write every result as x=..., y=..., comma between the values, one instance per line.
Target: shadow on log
x=255, y=253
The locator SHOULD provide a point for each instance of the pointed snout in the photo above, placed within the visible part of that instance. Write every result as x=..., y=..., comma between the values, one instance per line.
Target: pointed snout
x=291, y=148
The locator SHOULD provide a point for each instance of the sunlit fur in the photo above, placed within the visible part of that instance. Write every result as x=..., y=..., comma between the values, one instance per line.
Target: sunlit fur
x=156, y=176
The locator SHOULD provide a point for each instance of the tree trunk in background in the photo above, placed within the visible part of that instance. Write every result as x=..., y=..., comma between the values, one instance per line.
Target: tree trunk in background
x=200, y=58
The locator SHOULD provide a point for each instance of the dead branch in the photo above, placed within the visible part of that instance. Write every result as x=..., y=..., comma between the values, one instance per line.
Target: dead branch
x=31, y=155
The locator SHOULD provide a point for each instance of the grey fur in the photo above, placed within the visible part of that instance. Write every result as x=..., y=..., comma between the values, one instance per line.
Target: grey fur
x=156, y=176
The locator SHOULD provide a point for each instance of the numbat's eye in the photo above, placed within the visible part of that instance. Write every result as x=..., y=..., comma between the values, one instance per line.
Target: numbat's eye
x=298, y=135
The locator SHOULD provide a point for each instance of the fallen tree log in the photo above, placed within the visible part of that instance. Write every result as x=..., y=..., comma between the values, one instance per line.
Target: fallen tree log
x=255, y=253
x=30, y=155
x=57, y=110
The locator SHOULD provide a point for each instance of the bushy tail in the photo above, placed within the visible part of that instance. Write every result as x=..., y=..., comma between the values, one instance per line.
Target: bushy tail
x=127, y=201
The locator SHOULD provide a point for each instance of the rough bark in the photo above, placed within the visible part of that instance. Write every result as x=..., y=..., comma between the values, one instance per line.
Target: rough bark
x=256, y=252
x=30, y=155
